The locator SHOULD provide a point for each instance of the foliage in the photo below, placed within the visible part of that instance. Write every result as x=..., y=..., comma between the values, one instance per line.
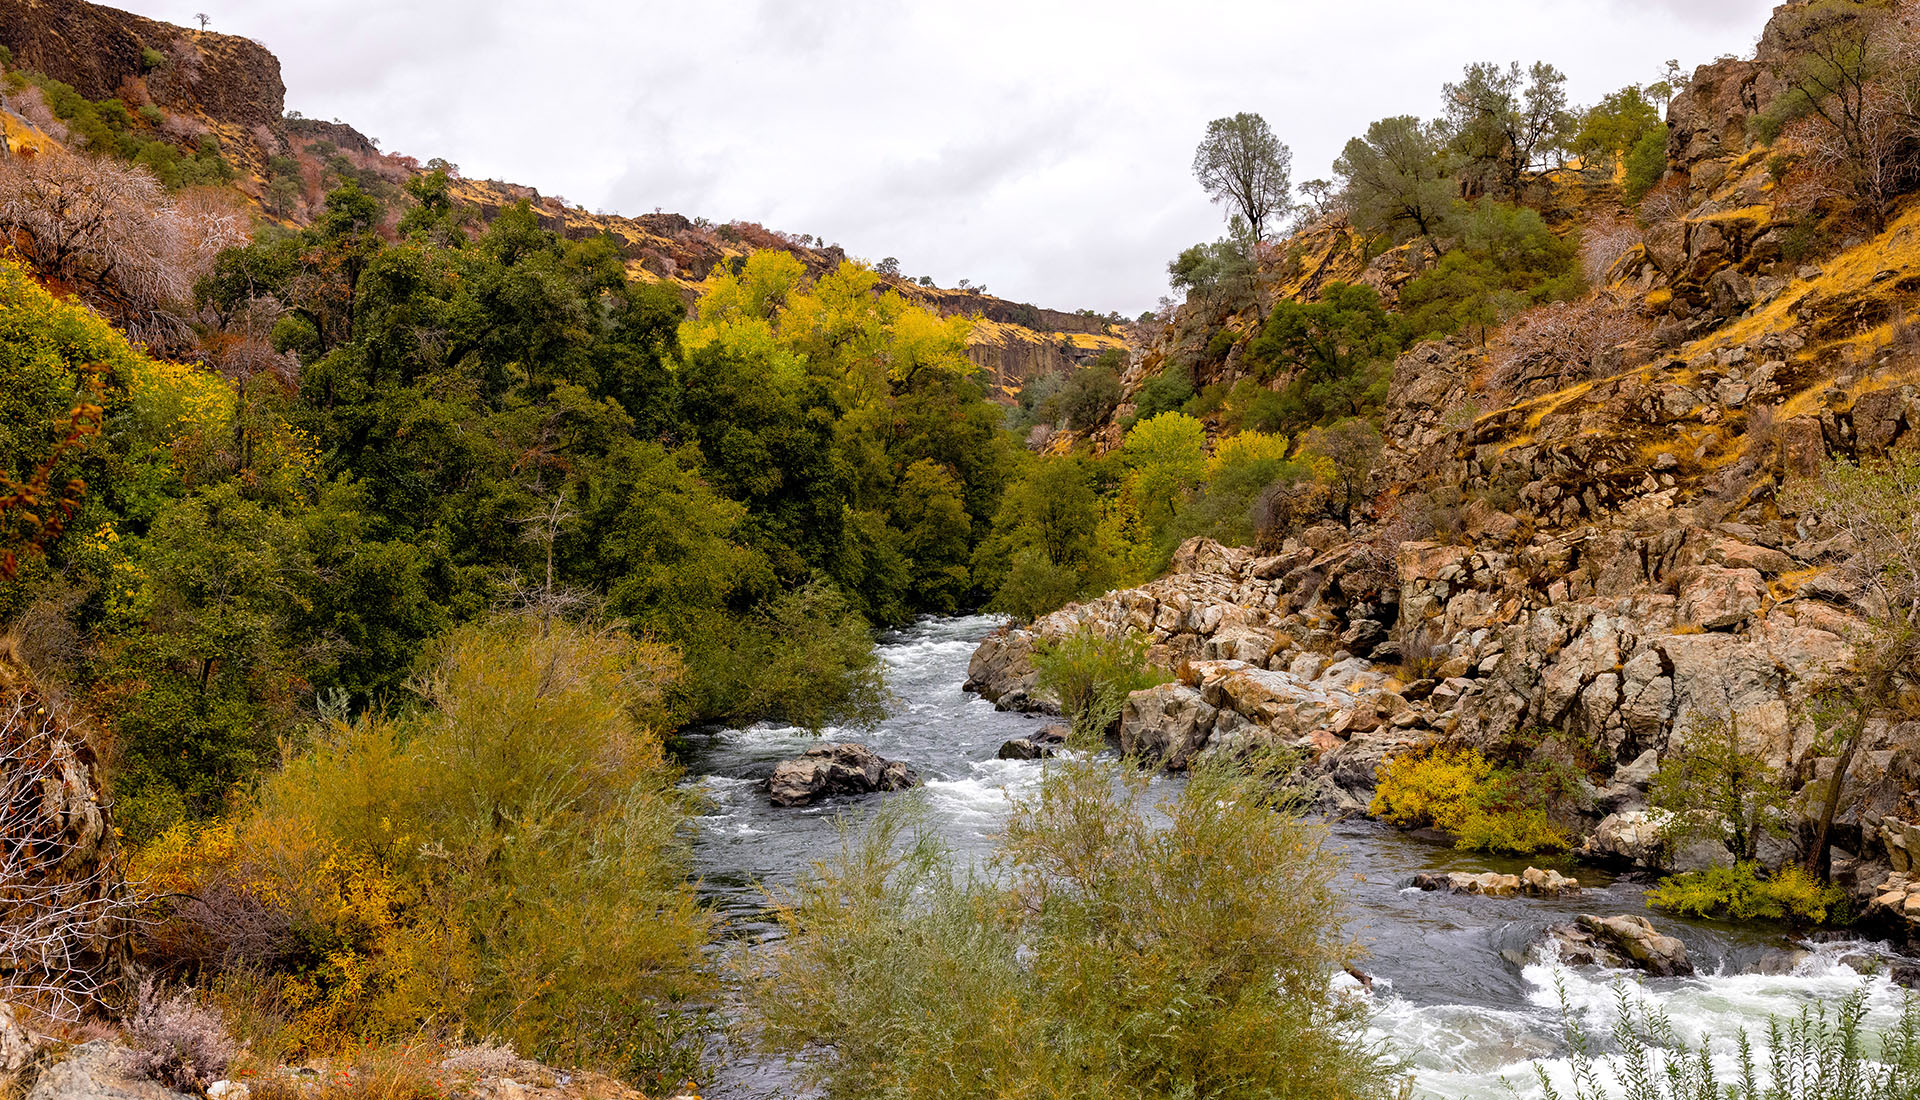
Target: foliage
x=1394, y=179
x=1041, y=553
x=1336, y=354
x=1484, y=806
x=1507, y=259
x=1242, y=467
x=1616, y=138
x=1116, y=957
x=1091, y=675
x=1088, y=398
x=1350, y=448
x=1506, y=122
x=1167, y=391
x=1816, y=1055
x=509, y=860
x=1713, y=786
x=1740, y=893
x=1222, y=269
x=1242, y=164
x=1167, y=459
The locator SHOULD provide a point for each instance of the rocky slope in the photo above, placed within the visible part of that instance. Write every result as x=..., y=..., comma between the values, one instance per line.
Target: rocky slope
x=1616, y=566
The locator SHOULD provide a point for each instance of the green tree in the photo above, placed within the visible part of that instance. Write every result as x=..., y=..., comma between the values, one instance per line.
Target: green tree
x=1240, y=163
x=1043, y=534
x=1167, y=459
x=1351, y=447
x=1336, y=354
x=1394, y=180
x=1505, y=123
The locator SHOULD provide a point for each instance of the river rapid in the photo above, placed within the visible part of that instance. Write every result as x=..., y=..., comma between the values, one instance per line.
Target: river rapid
x=1455, y=988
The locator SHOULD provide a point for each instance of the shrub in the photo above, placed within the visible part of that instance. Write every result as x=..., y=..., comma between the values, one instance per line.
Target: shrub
x=178, y=1042
x=1120, y=956
x=1740, y=893
x=1089, y=397
x=1167, y=391
x=1559, y=344
x=509, y=861
x=1460, y=792
x=1091, y=675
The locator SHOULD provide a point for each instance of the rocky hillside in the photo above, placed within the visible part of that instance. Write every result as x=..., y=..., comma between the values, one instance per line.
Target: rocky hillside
x=1592, y=561
x=231, y=88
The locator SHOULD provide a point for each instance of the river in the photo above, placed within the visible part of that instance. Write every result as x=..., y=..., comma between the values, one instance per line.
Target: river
x=1454, y=986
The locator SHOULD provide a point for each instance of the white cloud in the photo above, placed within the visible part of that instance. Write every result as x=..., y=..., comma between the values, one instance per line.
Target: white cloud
x=1039, y=147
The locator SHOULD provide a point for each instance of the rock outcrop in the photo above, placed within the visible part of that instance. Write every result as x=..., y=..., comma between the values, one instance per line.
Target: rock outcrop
x=842, y=768
x=1038, y=745
x=1620, y=943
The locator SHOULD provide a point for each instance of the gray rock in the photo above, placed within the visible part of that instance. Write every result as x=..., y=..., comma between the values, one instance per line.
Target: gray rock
x=97, y=1071
x=1622, y=942
x=842, y=768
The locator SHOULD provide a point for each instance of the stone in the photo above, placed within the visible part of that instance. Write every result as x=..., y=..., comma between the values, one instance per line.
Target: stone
x=1532, y=882
x=1547, y=883
x=1622, y=942
x=97, y=1071
x=842, y=768
x=1714, y=597
x=1361, y=636
x=1632, y=836
x=1168, y=723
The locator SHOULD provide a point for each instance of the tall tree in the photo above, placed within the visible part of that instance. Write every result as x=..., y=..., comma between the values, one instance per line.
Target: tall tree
x=1506, y=122
x=1242, y=164
x=1394, y=179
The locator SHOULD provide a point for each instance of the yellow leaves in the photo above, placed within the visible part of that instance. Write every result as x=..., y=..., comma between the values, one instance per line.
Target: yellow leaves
x=844, y=326
x=1246, y=448
x=180, y=860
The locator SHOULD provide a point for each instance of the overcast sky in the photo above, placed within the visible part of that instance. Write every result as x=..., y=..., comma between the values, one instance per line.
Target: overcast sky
x=1040, y=147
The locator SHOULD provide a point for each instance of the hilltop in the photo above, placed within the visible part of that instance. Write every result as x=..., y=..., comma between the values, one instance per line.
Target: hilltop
x=205, y=83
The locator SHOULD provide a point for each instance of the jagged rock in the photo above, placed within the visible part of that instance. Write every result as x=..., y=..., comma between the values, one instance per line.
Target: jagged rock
x=1713, y=597
x=1169, y=724
x=97, y=1071
x=1621, y=943
x=1037, y=745
x=1548, y=883
x=1632, y=836
x=842, y=768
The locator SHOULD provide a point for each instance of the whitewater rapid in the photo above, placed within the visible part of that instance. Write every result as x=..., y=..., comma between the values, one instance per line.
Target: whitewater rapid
x=1455, y=989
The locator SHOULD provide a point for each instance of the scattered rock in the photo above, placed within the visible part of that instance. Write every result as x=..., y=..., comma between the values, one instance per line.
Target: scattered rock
x=1533, y=882
x=842, y=768
x=1621, y=943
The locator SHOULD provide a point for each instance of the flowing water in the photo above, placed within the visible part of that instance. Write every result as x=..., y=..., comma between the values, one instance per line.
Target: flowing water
x=1454, y=985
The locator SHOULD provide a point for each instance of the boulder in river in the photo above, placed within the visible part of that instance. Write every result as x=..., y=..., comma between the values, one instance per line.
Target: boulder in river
x=1622, y=943
x=1037, y=745
x=1532, y=882
x=836, y=769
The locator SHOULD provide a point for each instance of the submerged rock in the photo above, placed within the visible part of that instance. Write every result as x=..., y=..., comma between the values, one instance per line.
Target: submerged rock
x=1038, y=745
x=1621, y=943
x=839, y=768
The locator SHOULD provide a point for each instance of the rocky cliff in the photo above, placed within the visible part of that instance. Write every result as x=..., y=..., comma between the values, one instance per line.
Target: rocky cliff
x=1591, y=561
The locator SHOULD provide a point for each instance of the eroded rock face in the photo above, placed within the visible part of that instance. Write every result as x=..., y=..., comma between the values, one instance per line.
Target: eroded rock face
x=97, y=1071
x=1622, y=943
x=842, y=768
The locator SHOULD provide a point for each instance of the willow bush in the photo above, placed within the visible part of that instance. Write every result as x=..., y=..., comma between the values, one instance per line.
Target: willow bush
x=1119, y=948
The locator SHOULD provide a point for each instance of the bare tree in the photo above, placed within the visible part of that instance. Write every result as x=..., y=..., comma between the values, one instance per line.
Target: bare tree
x=1242, y=164
x=1562, y=343
x=65, y=913
x=204, y=19
x=112, y=232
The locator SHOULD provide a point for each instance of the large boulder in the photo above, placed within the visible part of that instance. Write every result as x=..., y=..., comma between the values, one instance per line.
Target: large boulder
x=842, y=768
x=99, y=1070
x=1038, y=745
x=1622, y=943
x=1533, y=882
x=1168, y=723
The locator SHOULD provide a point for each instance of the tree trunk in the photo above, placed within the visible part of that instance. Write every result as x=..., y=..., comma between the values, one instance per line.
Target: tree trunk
x=1820, y=856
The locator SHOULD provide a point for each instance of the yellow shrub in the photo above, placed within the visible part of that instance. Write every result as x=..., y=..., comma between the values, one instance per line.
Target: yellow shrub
x=1437, y=786
x=1246, y=448
x=182, y=859
x=1460, y=792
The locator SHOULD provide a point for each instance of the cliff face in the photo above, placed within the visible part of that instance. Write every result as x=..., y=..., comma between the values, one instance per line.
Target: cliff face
x=102, y=52
x=1595, y=557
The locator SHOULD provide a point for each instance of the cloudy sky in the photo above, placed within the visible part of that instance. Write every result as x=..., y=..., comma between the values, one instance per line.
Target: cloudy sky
x=1041, y=147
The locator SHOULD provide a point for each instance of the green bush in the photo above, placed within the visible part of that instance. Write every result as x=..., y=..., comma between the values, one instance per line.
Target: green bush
x=1091, y=676
x=1168, y=391
x=151, y=59
x=1126, y=954
x=1089, y=397
x=1506, y=260
x=1740, y=893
